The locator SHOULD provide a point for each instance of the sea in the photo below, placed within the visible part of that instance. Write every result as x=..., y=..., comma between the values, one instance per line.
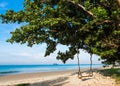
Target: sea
x=18, y=69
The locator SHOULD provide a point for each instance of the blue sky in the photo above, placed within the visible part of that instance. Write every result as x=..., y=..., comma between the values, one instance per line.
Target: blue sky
x=21, y=54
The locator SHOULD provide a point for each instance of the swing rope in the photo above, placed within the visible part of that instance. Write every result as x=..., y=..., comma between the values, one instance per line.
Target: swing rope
x=80, y=76
x=91, y=71
x=79, y=73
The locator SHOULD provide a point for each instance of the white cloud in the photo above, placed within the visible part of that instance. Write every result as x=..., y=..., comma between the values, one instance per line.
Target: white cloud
x=27, y=57
x=21, y=54
x=3, y=4
x=26, y=54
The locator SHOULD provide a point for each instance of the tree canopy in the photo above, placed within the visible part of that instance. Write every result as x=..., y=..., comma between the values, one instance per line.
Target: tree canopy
x=92, y=25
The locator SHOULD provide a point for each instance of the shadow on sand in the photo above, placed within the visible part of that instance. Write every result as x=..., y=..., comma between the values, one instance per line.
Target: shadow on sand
x=56, y=82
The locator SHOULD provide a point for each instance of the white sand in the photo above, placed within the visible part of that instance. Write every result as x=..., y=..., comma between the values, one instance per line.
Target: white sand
x=96, y=80
x=60, y=78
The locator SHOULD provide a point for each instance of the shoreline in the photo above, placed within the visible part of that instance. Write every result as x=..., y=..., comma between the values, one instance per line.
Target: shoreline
x=59, y=78
x=38, y=77
x=9, y=73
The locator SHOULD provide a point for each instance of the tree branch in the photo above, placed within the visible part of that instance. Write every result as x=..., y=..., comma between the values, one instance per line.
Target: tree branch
x=108, y=22
x=111, y=45
x=81, y=7
x=118, y=1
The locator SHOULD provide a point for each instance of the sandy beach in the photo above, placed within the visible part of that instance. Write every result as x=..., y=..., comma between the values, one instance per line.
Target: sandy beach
x=57, y=78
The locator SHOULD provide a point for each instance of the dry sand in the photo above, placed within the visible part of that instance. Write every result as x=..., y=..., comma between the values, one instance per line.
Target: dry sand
x=58, y=78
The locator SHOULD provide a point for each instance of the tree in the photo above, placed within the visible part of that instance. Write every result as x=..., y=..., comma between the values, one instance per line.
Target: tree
x=92, y=25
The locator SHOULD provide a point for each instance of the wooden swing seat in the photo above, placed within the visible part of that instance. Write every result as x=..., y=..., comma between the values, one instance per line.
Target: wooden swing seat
x=84, y=76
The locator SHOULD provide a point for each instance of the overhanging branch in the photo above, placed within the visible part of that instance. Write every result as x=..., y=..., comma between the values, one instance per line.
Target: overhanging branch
x=109, y=22
x=81, y=7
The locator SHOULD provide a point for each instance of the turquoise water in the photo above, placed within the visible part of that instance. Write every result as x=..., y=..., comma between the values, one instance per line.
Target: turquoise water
x=15, y=69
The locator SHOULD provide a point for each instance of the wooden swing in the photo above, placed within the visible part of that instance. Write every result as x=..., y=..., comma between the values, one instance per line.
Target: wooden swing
x=80, y=76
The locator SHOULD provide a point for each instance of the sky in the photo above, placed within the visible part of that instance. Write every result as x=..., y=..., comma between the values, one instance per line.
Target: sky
x=11, y=54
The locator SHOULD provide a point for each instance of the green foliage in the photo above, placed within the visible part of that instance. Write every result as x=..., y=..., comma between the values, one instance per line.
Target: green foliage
x=113, y=72
x=26, y=84
x=100, y=12
x=92, y=25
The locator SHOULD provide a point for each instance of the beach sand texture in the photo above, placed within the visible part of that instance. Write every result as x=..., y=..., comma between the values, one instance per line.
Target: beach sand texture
x=58, y=78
